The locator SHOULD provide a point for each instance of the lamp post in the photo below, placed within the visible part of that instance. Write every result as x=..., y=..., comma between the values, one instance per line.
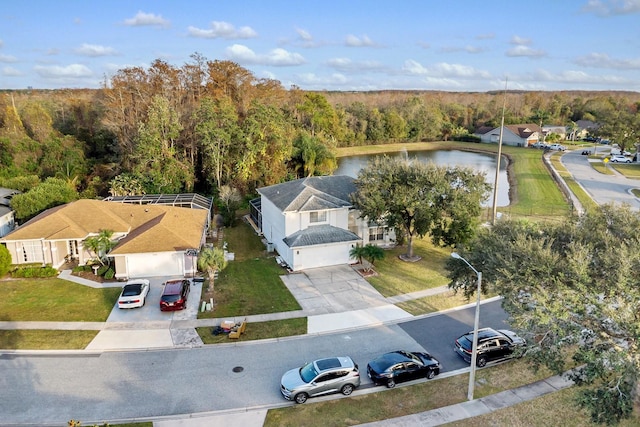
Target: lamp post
x=474, y=347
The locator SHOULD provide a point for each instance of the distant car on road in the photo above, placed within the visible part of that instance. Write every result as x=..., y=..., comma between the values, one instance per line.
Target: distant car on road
x=493, y=345
x=557, y=147
x=398, y=366
x=323, y=376
x=619, y=158
x=134, y=293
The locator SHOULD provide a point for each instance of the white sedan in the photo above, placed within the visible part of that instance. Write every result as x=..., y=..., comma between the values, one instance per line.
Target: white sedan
x=134, y=293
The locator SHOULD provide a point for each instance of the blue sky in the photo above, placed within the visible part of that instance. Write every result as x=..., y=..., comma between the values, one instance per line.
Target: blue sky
x=331, y=45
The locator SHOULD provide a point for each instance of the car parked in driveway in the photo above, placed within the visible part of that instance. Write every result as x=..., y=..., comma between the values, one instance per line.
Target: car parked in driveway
x=323, y=376
x=619, y=158
x=174, y=295
x=397, y=366
x=134, y=293
x=493, y=345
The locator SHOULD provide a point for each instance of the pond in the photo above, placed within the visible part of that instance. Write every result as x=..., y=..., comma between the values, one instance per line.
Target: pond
x=480, y=162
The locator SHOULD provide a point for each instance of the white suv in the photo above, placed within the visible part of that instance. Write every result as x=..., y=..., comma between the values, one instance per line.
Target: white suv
x=619, y=158
x=557, y=147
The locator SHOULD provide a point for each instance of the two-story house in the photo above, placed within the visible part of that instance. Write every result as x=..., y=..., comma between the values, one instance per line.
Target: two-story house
x=311, y=222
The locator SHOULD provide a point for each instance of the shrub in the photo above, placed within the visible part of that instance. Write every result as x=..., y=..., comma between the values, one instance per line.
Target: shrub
x=5, y=260
x=466, y=138
x=34, y=271
x=102, y=270
x=109, y=274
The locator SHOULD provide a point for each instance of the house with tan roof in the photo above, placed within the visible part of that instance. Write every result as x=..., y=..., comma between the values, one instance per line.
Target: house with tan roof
x=522, y=135
x=311, y=222
x=152, y=239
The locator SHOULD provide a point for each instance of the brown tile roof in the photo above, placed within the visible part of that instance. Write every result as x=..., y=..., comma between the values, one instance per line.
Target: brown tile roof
x=150, y=228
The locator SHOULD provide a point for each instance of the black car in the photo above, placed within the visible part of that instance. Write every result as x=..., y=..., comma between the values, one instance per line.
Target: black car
x=493, y=345
x=398, y=366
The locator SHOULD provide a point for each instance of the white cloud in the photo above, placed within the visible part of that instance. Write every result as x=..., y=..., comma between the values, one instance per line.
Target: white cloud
x=8, y=58
x=95, y=50
x=312, y=79
x=11, y=72
x=304, y=34
x=353, y=41
x=445, y=70
x=517, y=40
x=468, y=49
x=1, y=43
x=346, y=64
x=612, y=7
x=143, y=19
x=603, y=60
x=58, y=72
x=223, y=30
x=521, y=50
x=276, y=57
x=486, y=36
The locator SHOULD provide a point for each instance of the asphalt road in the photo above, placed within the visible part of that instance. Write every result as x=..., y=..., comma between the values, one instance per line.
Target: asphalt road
x=54, y=388
x=603, y=189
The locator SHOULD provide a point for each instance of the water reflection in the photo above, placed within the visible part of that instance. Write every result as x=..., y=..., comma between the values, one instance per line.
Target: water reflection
x=478, y=161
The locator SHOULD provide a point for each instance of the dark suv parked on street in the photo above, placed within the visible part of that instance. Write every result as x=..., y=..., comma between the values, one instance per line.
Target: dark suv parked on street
x=493, y=345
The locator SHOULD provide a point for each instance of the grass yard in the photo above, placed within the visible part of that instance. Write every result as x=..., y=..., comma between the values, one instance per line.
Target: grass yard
x=259, y=331
x=251, y=283
x=54, y=300
x=396, y=277
x=628, y=170
x=38, y=339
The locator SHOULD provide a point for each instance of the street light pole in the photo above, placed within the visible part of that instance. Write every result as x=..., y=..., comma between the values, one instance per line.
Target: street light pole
x=476, y=323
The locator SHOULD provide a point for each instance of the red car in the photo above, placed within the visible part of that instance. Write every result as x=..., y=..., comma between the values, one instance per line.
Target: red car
x=174, y=295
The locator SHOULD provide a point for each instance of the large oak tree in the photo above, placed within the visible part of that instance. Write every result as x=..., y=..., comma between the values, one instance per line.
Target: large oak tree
x=419, y=199
x=572, y=290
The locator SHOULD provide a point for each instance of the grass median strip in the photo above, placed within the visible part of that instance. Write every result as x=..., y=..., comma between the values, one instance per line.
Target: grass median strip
x=38, y=339
x=259, y=331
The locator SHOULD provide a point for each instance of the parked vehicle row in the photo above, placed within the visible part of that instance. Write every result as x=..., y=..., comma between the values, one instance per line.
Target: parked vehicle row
x=342, y=375
x=544, y=146
x=175, y=294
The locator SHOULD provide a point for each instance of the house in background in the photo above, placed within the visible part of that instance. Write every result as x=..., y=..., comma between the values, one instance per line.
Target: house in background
x=311, y=222
x=557, y=129
x=152, y=239
x=7, y=214
x=522, y=135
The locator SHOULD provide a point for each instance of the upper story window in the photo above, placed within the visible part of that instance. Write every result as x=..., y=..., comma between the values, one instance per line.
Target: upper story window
x=318, y=216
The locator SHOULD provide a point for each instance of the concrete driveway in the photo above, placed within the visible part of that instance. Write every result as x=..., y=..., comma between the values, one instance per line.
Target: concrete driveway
x=147, y=326
x=337, y=298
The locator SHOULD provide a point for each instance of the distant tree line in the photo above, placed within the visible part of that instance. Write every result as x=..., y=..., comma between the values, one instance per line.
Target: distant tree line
x=211, y=123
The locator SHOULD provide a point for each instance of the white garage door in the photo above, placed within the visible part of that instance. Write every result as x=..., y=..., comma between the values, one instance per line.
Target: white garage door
x=156, y=264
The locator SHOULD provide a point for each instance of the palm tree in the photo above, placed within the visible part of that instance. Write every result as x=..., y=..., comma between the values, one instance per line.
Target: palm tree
x=100, y=245
x=357, y=252
x=372, y=253
x=211, y=260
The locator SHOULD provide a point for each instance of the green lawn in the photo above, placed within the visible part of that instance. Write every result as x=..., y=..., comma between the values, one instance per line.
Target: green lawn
x=54, y=300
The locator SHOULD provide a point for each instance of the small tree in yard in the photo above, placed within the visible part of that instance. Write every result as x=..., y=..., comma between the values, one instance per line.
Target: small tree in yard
x=100, y=245
x=358, y=253
x=372, y=253
x=211, y=260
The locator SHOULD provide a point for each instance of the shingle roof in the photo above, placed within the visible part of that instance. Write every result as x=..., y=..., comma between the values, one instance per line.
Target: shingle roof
x=311, y=193
x=524, y=130
x=318, y=235
x=150, y=228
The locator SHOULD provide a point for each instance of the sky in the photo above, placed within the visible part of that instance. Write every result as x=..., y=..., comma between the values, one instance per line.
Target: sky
x=336, y=45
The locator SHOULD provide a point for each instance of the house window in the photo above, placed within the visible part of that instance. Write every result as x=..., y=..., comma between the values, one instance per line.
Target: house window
x=376, y=233
x=318, y=216
x=32, y=251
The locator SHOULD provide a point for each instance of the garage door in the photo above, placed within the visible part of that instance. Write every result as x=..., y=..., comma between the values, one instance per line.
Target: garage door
x=156, y=264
